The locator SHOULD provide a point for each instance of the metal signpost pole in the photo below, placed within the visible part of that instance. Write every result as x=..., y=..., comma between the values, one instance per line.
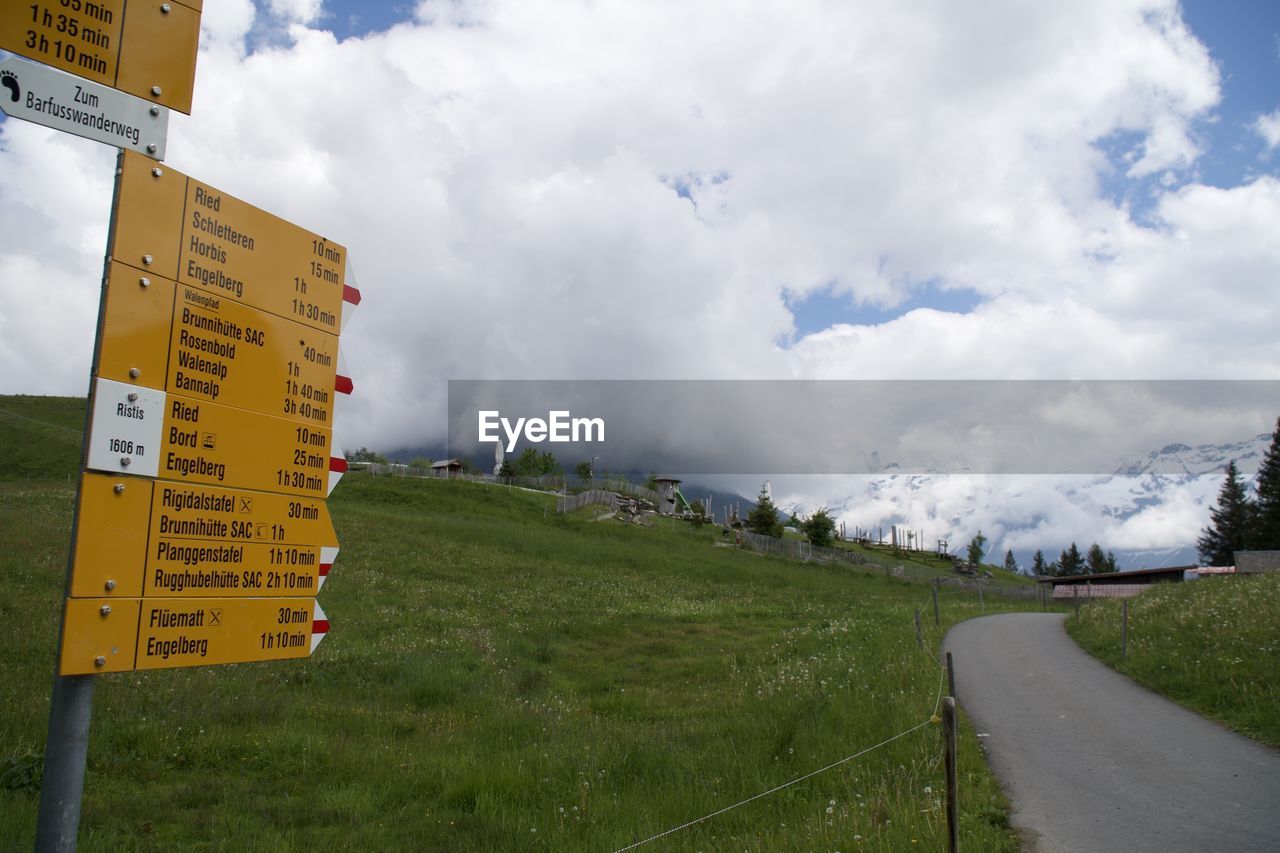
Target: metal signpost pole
x=67, y=746
x=58, y=819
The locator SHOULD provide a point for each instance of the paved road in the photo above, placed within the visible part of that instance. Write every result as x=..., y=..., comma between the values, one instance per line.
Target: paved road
x=1093, y=763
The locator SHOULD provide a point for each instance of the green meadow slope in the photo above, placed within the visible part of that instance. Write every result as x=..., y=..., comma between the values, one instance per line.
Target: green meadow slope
x=40, y=437
x=500, y=678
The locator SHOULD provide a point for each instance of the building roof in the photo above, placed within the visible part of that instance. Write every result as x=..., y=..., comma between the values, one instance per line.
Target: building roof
x=1111, y=577
x=446, y=463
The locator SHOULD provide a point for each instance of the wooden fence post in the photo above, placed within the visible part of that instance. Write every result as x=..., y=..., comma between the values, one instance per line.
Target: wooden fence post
x=953, y=811
x=951, y=676
x=937, y=618
x=919, y=633
x=1124, y=628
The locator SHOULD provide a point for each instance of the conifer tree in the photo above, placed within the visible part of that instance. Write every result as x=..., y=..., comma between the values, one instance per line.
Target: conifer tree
x=1070, y=563
x=1264, y=527
x=1229, y=529
x=764, y=518
x=1099, y=562
x=1039, y=567
x=1010, y=564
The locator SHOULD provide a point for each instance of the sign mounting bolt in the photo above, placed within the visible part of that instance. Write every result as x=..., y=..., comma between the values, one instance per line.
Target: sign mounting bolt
x=124, y=461
x=105, y=610
x=134, y=373
x=157, y=171
x=164, y=8
x=119, y=491
x=99, y=661
x=155, y=111
x=155, y=90
x=147, y=259
x=110, y=585
x=151, y=148
x=144, y=281
x=133, y=396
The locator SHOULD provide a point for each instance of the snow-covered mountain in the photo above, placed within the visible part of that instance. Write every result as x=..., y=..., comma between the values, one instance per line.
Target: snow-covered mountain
x=1202, y=459
x=1149, y=511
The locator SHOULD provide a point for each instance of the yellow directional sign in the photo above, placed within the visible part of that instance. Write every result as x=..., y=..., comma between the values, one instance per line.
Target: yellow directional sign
x=209, y=443
x=202, y=535
x=152, y=434
x=145, y=49
x=101, y=635
x=178, y=228
x=188, y=341
x=139, y=537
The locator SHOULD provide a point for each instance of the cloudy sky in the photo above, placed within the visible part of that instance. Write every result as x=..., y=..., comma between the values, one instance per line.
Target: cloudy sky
x=845, y=190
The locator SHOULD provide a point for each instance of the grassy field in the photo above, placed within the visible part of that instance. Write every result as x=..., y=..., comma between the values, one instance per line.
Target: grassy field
x=40, y=437
x=1211, y=645
x=498, y=678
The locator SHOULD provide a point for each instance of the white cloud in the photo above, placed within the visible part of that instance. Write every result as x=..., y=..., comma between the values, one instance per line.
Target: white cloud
x=296, y=11
x=1019, y=513
x=503, y=173
x=1268, y=127
x=224, y=24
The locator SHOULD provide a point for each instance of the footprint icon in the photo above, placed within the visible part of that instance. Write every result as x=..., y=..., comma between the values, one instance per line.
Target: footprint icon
x=10, y=81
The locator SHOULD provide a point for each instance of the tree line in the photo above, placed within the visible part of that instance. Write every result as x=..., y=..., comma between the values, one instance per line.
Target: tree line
x=1071, y=562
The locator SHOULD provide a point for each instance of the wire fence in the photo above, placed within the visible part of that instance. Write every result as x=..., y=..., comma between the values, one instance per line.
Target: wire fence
x=933, y=719
x=961, y=586
x=544, y=483
x=66, y=429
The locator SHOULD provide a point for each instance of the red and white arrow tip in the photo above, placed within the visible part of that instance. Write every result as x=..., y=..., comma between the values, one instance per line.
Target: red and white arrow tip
x=350, y=295
x=342, y=379
x=337, y=465
x=327, y=557
x=319, y=626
